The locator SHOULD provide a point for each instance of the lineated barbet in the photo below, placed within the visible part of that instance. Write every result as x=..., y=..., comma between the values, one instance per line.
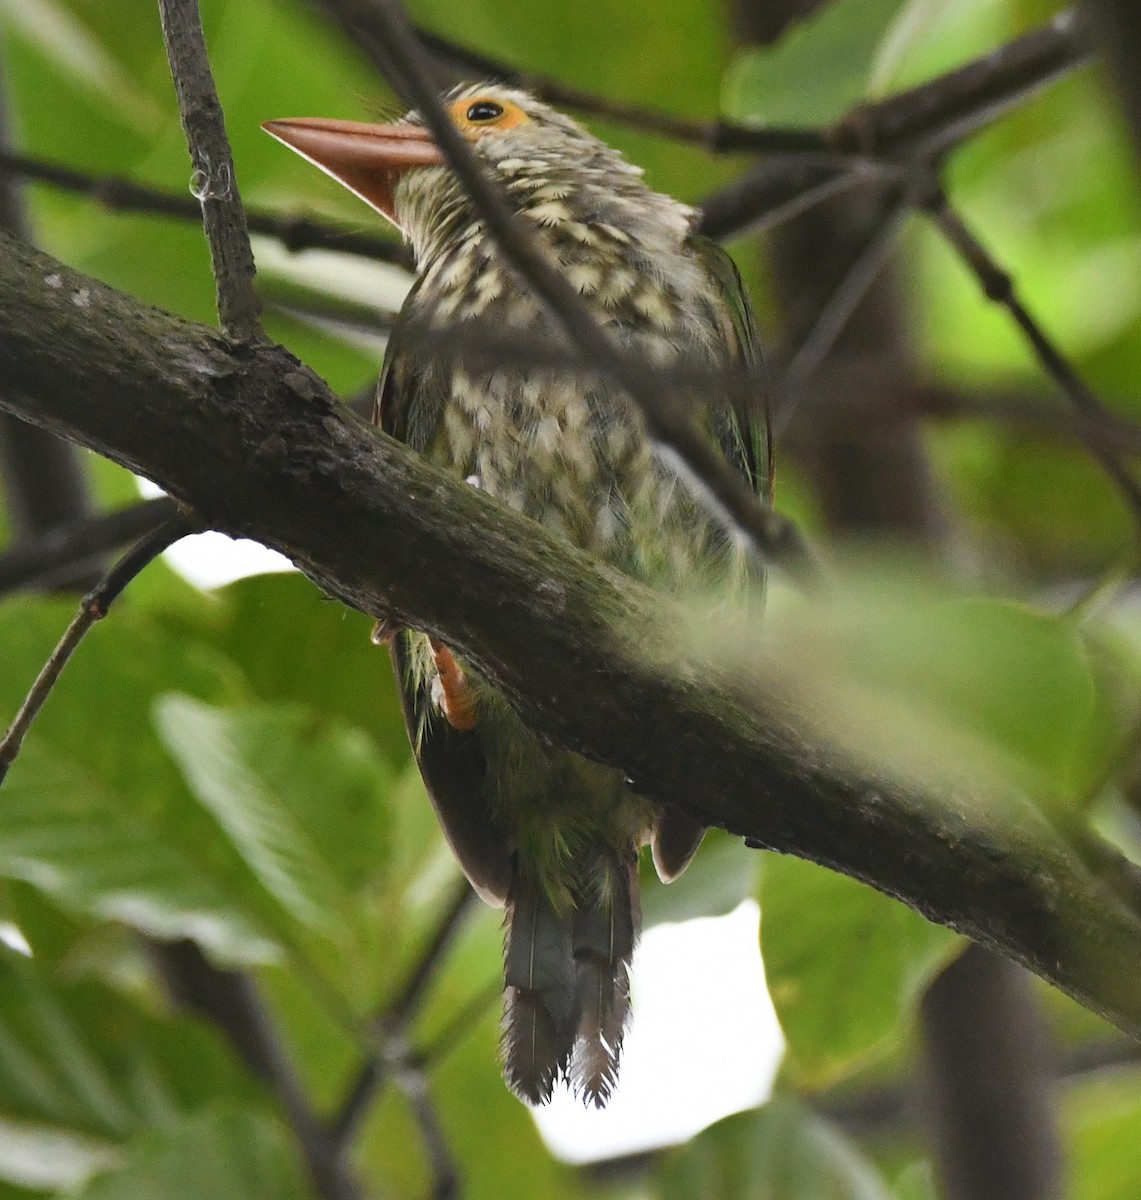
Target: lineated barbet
x=539, y=829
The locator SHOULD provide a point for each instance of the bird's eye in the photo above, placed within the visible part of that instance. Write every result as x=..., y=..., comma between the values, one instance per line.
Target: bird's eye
x=484, y=110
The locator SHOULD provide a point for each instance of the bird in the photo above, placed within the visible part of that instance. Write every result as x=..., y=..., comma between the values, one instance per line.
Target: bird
x=540, y=830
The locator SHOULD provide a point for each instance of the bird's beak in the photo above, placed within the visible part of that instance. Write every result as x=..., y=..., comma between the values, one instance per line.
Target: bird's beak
x=367, y=159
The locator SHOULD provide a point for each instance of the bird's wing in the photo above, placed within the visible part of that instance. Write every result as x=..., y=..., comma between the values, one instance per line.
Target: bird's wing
x=742, y=429
x=746, y=442
x=452, y=762
x=390, y=408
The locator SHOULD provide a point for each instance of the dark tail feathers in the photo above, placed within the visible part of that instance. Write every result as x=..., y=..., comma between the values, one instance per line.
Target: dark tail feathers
x=566, y=974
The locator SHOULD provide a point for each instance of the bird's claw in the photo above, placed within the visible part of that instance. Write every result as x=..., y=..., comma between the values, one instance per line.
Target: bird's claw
x=451, y=692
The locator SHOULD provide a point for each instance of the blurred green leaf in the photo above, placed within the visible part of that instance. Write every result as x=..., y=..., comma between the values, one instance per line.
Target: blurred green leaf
x=817, y=71
x=93, y=811
x=295, y=646
x=82, y=1071
x=223, y=1154
x=924, y=683
x=845, y=967
x=1103, y=1117
x=780, y=1151
x=228, y=760
x=76, y=49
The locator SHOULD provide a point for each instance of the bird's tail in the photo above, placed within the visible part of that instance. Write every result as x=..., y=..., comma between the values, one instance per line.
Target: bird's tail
x=566, y=974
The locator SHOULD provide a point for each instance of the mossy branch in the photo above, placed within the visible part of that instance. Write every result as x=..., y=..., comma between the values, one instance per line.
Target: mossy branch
x=259, y=447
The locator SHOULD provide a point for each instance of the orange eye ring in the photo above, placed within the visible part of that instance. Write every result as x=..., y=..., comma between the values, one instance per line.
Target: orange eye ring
x=476, y=115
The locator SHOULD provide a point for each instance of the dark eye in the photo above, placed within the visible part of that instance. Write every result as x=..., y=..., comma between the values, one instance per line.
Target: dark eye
x=484, y=110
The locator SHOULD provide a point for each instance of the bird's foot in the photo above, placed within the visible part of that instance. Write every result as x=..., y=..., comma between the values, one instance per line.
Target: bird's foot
x=451, y=692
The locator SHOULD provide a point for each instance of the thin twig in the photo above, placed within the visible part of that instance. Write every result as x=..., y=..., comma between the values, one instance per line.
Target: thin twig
x=1031, y=414
x=392, y=1024
x=117, y=194
x=921, y=120
x=861, y=272
x=215, y=181
x=448, y=1038
x=413, y=1084
x=93, y=607
x=927, y=120
x=998, y=287
x=230, y=1001
x=772, y=536
x=69, y=550
x=774, y=192
x=337, y=314
x=905, y=128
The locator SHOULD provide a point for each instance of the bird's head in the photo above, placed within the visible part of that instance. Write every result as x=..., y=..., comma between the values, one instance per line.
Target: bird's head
x=539, y=155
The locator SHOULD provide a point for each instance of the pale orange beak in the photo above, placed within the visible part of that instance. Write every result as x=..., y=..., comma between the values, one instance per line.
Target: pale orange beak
x=367, y=159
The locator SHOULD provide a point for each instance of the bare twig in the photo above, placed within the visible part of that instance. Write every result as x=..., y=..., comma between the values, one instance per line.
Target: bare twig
x=921, y=120
x=215, y=181
x=912, y=126
x=413, y=1084
x=774, y=192
x=859, y=274
x=71, y=549
x=998, y=286
x=392, y=1024
x=925, y=121
x=117, y=194
x=230, y=1000
x=93, y=607
x=772, y=536
x=448, y=1038
x=337, y=314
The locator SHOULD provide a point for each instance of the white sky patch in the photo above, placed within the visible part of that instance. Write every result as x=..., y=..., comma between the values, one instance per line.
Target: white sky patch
x=704, y=1043
x=379, y=285
x=210, y=560
x=12, y=936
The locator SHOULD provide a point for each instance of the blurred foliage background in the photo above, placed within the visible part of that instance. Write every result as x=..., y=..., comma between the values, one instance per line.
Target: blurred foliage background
x=222, y=780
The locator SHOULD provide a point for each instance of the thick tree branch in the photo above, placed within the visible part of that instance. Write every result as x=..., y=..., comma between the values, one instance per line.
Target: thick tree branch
x=257, y=445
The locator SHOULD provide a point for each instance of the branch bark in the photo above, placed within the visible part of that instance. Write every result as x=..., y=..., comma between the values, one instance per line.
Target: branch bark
x=259, y=447
x=215, y=181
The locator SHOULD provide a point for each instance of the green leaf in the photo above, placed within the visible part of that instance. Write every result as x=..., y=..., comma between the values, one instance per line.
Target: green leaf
x=817, y=71
x=39, y=1155
x=779, y=1152
x=845, y=967
x=1103, y=1118
x=93, y=811
x=296, y=646
x=988, y=695
x=223, y=1154
x=83, y=1070
x=77, y=50
x=229, y=760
